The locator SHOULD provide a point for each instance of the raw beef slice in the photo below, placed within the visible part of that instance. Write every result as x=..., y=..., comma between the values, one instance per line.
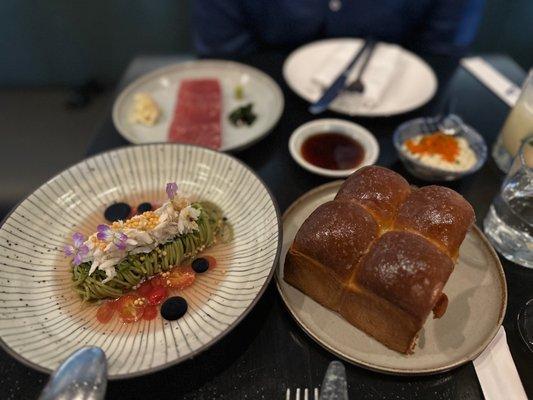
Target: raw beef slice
x=197, y=114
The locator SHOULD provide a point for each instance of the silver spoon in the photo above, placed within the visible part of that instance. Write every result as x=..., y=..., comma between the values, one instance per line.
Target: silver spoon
x=449, y=123
x=82, y=376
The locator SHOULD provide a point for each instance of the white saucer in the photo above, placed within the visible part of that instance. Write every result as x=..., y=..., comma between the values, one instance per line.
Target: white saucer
x=350, y=129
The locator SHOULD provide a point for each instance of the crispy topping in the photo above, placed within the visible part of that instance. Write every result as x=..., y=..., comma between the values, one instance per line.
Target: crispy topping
x=146, y=221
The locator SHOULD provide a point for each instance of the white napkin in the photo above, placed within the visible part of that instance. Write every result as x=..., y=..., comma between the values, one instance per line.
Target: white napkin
x=382, y=67
x=496, y=371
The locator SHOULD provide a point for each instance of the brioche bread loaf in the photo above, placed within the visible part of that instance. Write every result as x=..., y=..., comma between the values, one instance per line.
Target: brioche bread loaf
x=380, y=253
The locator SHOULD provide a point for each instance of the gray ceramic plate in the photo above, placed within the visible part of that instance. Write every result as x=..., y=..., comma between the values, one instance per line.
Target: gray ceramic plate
x=476, y=290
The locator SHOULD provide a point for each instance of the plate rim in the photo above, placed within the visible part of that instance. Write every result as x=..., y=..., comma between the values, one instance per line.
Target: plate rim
x=435, y=80
x=215, y=339
x=120, y=98
x=388, y=370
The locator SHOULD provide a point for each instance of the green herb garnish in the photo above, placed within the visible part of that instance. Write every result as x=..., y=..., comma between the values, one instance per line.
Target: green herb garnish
x=243, y=115
x=239, y=92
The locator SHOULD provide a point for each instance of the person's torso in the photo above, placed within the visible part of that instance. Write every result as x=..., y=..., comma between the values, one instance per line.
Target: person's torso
x=291, y=22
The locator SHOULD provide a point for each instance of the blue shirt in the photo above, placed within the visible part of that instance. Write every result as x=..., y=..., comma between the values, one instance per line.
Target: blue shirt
x=230, y=27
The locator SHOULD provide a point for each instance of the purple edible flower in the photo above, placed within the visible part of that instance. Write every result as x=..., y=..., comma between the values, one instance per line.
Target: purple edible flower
x=78, y=249
x=106, y=234
x=172, y=189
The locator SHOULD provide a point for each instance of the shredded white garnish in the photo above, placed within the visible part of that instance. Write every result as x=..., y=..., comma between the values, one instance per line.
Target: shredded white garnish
x=175, y=217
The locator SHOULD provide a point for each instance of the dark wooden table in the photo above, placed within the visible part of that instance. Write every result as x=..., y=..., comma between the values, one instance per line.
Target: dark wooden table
x=268, y=352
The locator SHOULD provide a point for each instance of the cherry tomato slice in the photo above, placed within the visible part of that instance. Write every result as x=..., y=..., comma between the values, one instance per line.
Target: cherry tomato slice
x=212, y=261
x=157, y=295
x=150, y=312
x=113, y=304
x=158, y=281
x=105, y=312
x=145, y=289
x=128, y=310
x=181, y=277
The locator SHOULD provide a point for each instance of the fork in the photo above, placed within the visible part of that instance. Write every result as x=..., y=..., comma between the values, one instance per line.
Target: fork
x=305, y=392
x=357, y=85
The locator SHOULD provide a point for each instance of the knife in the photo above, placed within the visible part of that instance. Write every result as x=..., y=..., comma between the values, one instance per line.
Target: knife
x=330, y=93
x=334, y=386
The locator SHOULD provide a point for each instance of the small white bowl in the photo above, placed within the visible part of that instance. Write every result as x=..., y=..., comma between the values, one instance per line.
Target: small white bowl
x=332, y=125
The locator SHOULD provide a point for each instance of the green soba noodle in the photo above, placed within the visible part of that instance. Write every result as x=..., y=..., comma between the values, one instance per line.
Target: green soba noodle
x=137, y=267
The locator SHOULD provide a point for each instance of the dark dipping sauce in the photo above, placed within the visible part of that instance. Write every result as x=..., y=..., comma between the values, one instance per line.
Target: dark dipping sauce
x=332, y=151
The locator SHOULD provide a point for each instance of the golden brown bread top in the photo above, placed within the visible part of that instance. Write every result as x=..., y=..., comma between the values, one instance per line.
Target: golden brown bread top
x=379, y=190
x=407, y=270
x=337, y=234
x=383, y=238
x=438, y=213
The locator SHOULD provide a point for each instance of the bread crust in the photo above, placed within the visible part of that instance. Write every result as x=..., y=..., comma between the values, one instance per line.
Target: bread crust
x=379, y=190
x=381, y=253
x=439, y=214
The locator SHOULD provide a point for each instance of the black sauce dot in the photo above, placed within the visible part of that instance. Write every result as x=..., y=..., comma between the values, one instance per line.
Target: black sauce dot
x=143, y=207
x=200, y=265
x=174, y=308
x=117, y=211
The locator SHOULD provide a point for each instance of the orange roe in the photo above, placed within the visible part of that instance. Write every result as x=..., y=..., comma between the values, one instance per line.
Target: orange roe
x=437, y=143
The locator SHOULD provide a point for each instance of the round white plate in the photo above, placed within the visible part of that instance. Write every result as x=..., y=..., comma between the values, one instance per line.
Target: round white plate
x=42, y=319
x=412, y=86
x=163, y=85
x=477, y=295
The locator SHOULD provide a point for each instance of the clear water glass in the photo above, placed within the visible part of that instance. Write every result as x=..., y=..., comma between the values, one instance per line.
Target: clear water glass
x=525, y=324
x=509, y=222
x=517, y=126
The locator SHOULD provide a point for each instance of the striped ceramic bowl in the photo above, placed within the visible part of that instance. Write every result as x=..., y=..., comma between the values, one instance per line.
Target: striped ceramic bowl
x=42, y=320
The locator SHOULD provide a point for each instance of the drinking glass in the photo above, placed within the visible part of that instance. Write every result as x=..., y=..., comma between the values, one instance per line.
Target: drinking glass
x=525, y=324
x=509, y=222
x=517, y=126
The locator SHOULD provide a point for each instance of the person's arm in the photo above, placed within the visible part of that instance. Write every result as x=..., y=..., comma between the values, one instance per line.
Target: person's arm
x=220, y=28
x=450, y=27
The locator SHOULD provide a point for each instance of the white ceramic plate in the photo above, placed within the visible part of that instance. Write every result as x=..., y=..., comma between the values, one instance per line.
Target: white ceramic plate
x=42, y=319
x=412, y=86
x=163, y=85
x=477, y=295
x=350, y=129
